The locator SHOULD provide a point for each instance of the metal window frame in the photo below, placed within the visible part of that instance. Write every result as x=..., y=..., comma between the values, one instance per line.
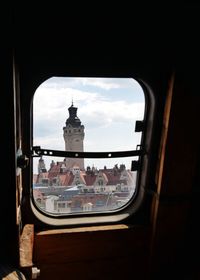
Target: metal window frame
x=131, y=208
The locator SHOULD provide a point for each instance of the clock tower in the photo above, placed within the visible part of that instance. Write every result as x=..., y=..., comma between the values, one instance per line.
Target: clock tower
x=74, y=134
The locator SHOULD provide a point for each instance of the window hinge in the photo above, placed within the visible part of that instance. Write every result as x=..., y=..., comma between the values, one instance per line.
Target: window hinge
x=139, y=126
x=22, y=160
x=135, y=165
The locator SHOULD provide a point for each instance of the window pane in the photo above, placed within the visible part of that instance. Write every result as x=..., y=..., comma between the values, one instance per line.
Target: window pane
x=90, y=115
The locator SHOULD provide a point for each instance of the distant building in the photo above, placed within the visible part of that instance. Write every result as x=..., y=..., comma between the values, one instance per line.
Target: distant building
x=73, y=134
x=99, y=180
x=78, y=190
x=41, y=166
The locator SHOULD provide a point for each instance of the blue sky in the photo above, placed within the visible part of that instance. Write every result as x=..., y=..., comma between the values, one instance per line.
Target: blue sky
x=107, y=107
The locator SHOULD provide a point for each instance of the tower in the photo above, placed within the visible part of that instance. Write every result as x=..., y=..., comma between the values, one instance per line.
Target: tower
x=41, y=166
x=74, y=134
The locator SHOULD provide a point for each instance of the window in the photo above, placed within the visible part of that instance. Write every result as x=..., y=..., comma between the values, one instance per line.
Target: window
x=93, y=130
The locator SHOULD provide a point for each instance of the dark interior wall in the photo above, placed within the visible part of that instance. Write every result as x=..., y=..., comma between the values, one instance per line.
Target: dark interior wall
x=174, y=198
x=190, y=169
x=9, y=230
x=153, y=43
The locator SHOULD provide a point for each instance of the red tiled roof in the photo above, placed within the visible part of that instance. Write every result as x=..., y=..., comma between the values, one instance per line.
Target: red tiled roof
x=89, y=179
x=111, y=176
x=71, y=179
x=54, y=170
x=65, y=179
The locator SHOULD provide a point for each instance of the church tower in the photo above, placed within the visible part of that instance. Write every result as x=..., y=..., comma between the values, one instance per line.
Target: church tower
x=41, y=166
x=74, y=134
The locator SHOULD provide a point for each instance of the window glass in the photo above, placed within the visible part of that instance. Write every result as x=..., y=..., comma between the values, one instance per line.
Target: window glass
x=85, y=115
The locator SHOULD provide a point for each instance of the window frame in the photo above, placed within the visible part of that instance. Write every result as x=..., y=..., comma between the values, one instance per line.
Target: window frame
x=128, y=210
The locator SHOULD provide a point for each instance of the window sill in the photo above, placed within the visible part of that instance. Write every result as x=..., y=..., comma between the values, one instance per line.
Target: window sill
x=84, y=229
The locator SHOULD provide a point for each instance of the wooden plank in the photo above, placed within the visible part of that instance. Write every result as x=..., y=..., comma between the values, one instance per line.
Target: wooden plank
x=84, y=229
x=26, y=246
x=99, y=252
x=166, y=119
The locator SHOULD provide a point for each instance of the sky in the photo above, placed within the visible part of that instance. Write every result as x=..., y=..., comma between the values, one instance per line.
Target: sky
x=107, y=107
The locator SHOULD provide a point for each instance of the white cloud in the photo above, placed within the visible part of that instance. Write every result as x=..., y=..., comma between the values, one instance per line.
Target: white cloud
x=51, y=107
x=54, y=143
x=104, y=113
x=103, y=83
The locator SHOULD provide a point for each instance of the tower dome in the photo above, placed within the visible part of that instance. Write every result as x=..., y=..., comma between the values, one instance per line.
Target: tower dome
x=73, y=120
